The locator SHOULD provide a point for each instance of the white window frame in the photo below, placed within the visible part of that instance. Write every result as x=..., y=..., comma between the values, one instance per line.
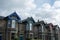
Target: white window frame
x=13, y=23
x=30, y=26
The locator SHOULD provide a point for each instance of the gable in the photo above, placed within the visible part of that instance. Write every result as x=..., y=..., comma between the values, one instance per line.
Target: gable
x=30, y=19
x=13, y=16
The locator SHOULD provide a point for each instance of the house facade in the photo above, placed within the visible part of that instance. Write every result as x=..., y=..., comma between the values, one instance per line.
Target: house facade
x=13, y=28
x=9, y=27
x=44, y=31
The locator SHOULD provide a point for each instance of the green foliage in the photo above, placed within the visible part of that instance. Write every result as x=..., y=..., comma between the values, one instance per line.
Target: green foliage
x=16, y=37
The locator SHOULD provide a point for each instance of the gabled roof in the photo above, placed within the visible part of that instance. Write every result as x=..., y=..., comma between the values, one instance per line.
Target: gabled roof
x=13, y=14
x=1, y=17
x=39, y=23
x=56, y=26
x=28, y=19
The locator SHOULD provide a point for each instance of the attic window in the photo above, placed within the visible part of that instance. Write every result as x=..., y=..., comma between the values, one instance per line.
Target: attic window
x=13, y=17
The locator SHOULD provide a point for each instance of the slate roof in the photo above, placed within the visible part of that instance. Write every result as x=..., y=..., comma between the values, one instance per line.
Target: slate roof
x=39, y=23
x=2, y=17
x=14, y=14
x=27, y=20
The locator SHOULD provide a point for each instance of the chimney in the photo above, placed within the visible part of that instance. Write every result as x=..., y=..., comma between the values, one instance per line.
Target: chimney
x=38, y=20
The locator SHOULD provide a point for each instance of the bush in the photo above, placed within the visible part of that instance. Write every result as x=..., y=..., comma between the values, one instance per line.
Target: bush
x=16, y=39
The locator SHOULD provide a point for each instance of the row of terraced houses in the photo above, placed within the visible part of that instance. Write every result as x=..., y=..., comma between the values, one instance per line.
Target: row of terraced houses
x=13, y=28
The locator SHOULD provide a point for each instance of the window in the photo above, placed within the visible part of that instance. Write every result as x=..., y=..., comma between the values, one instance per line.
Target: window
x=21, y=37
x=27, y=26
x=30, y=26
x=13, y=23
x=9, y=23
x=40, y=35
x=12, y=36
x=40, y=29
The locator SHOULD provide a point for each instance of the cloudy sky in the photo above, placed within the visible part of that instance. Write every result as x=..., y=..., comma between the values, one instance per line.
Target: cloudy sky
x=47, y=10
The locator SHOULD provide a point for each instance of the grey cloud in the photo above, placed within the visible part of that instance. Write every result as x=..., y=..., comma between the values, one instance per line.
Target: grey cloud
x=9, y=6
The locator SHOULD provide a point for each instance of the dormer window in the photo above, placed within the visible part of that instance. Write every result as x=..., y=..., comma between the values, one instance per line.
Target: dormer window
x=13, y=23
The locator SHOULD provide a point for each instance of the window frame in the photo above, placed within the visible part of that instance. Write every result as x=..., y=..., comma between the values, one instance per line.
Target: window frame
x=9, y=23
x=30, y=26
x=13, y=24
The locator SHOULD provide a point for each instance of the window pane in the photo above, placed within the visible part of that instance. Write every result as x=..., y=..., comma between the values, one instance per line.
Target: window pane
x=9, y=24
x=27, y=27
x=30, y=26
x=13, y=23
x=40, y=29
